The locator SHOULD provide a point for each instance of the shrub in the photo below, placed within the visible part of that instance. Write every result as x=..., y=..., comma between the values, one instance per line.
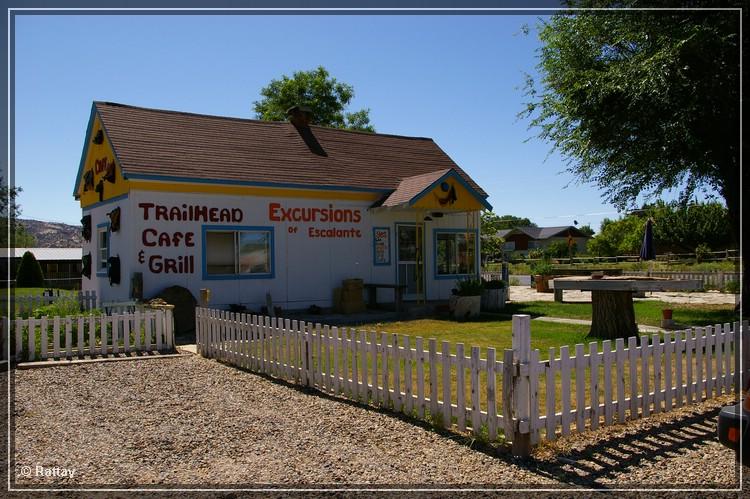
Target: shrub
x=471, y=286
x=558, y=249
x=515, y=281
x=543, y=267
x=536, y=253
x=732, y=287
x=62, y=307
x=29, y=273
x=702, y=251
x=493, y=284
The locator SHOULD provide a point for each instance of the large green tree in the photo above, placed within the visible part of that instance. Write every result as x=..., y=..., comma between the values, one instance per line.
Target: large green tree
x=618, y=237
x=640, y=102
x=318, y=90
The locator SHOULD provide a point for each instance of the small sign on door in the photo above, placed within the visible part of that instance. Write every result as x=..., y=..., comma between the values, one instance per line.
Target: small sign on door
x=381, y=245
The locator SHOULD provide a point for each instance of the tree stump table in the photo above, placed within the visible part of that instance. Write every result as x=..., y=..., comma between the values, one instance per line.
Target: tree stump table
x=612, y=313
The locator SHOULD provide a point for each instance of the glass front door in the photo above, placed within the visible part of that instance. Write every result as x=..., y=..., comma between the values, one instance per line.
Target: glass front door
x=410, y=265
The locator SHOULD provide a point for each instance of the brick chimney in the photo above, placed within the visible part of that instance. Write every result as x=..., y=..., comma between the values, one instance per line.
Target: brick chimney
x=300, y=116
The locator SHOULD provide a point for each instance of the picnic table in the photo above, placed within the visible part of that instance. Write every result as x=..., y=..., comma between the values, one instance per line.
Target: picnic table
x=568, y=272
x=613, y=315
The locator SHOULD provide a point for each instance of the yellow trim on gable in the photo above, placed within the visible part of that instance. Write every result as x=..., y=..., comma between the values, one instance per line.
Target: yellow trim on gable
x=247, y=190
x=98, y=156
x=456, y=197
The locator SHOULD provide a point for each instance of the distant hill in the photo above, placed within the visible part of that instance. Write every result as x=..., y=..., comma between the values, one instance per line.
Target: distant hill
x=54, y=234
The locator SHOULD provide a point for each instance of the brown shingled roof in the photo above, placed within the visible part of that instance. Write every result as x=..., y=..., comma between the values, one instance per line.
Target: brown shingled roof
x=152, y=142
x=411, y=186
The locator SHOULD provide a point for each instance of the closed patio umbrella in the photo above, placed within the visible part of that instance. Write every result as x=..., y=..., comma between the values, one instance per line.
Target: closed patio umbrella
x=647, y=248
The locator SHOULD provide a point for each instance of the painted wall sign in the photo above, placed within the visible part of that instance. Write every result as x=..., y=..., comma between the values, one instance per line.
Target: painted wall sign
x=279, y=213
x=336, y=233
x=190, y=213
x=157, y=264
x=151, y=237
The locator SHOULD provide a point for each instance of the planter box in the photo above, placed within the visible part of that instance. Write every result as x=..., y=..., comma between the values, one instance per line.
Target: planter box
x=542, y=283
x=494, y=299
x=464, y=307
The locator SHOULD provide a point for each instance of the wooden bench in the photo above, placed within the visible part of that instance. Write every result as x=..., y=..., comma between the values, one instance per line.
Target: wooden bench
x=372, y=293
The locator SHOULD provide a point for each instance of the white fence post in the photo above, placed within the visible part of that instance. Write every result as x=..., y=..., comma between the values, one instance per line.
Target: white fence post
x=521, y=385
x=309, y=380
x=169, y=327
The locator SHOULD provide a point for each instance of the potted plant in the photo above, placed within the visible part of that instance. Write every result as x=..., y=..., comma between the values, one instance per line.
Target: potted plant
x=494, y=295
x=467, y=298
x=542, y=272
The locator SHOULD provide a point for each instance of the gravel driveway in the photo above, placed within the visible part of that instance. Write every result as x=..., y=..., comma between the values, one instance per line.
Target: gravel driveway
x=192, y=421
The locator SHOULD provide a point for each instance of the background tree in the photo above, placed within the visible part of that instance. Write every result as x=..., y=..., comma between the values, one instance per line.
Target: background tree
x=492, y=244
x=512, y=221
x=677, y=229
x=682, y=228
x=29, y=273
x=586, y=229
x=618, y=237
x=560, y=249
x=18, y=236
x=318, y=90
x=640, y=102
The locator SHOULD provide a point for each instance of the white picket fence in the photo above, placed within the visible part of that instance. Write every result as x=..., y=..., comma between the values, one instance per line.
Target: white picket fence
x=25, y=304
x=518, y=395
x=665, y=371
x=57, y=338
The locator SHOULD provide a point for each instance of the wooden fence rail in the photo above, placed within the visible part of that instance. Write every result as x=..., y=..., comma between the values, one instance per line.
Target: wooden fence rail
x=514, y=394
x=713, y=279
x=69, y=337
x=23, y=305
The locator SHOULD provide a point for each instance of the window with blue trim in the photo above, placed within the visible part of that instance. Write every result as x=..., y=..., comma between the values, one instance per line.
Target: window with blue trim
x=244, y=252
x=102, y=248
x=455, y=253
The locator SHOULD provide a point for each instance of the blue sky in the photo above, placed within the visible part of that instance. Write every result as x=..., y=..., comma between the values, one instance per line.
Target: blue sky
x=457, y=79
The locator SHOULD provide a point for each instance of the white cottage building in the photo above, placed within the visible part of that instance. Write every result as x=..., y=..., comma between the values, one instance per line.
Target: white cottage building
x=245, y=208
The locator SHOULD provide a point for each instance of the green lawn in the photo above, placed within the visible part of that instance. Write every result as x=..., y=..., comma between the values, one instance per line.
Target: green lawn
x=494, y=330
x=487, y=332
x=646, y=312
